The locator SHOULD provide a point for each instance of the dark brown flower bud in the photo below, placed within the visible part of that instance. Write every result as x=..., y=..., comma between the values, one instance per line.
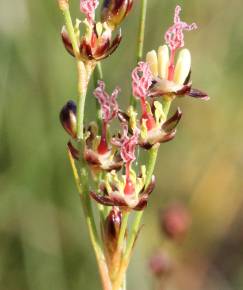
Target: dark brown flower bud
x=110, y=234
x=112, y=229
x=113, y=12
x=68, y=118
x=175, y=221
x=160, y=264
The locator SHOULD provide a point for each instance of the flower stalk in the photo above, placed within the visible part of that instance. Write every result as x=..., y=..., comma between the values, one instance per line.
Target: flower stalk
x=141, y=34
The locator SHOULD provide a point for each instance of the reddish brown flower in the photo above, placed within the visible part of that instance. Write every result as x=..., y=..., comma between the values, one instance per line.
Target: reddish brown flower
x=164, y=87
x=97, y=44
x=127, y=191
x=116, y=197
x=165, y=132
x=99, y=152
x=172, y=79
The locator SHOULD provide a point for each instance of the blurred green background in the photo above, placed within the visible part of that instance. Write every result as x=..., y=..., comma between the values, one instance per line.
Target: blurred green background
x=43, y=238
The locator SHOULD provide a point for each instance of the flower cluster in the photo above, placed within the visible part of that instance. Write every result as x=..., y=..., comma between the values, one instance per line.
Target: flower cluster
x=105, y=154
x=112, y=156
x=96, y=42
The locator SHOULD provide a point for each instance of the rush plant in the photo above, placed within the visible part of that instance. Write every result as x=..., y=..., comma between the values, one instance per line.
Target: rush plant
x=110, y=176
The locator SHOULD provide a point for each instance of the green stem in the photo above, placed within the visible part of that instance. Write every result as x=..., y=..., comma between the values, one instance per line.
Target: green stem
x=138, y=216
x=142, y=30
x=133, y=236
x=89, y=216
x=141, y=34
x=84, y=73
x=82, y=90
x=83, y=190
x=99, y=71
x=98, y=76
x=94, y=237
x=100, y=207
x=123, y=230
x=136, y=224
x=166, y=106
x=70, y=29
x=153, y=153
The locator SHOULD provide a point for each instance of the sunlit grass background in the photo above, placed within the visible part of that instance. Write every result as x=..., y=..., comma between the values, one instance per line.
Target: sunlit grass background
x=43, y=238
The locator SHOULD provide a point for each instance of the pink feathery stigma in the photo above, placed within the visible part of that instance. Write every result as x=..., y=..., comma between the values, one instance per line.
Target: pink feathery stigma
x=127, y=145
x=141, y=80
x=88, y=8
x=174, y=36
x=127, y=150
x=108, y=103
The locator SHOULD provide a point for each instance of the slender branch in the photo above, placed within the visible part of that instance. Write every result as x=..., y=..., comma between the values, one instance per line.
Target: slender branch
x=138, y=217
x=142, y=30
x=64, y=6
x=89, y=217
x=153, y=153
x=99, y=71
x=75, y=172
x=166, y=105
x=98, y=76
x=84, y=73
x=104, y=273
x=82, y=89
x=136, y=225
x=123, y=230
